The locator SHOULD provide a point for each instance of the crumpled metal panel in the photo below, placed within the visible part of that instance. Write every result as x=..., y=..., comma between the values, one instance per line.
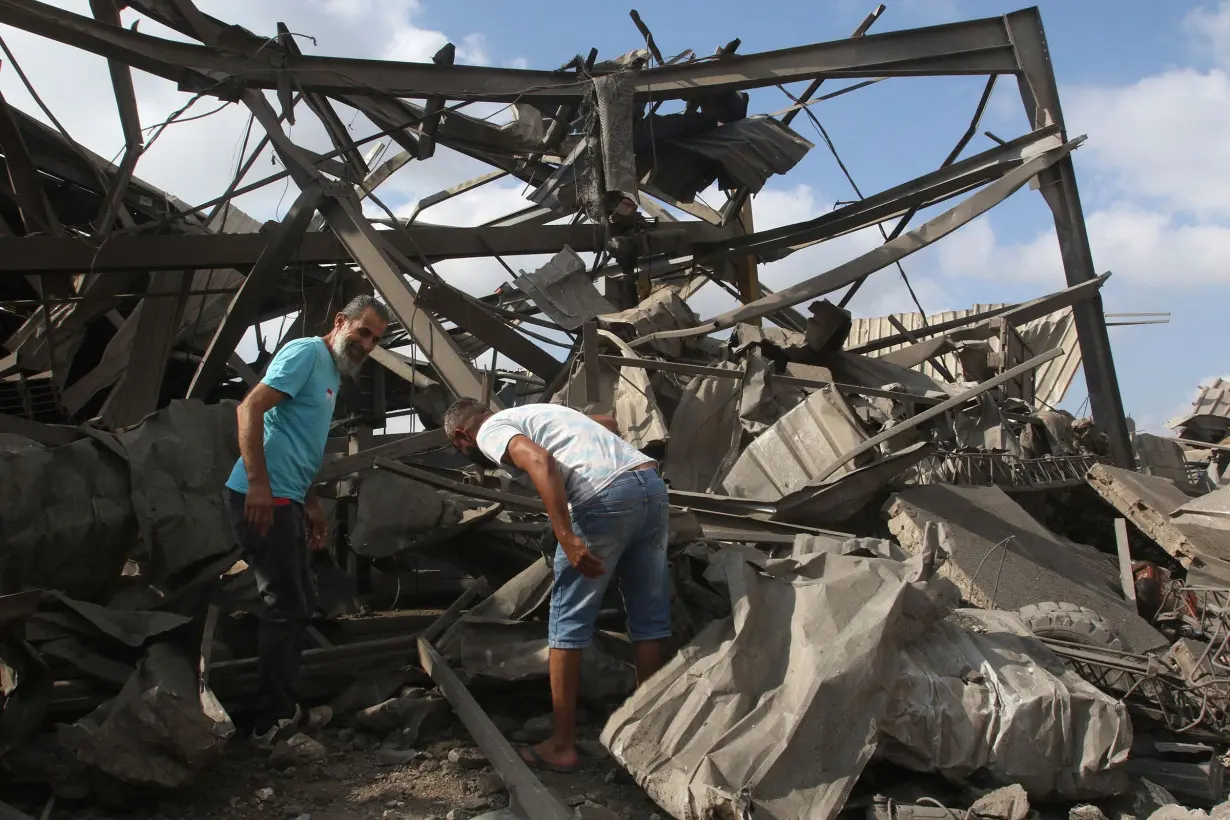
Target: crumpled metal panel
x=704, y=431
x=162, y=729
x=664, y=309
x=1052, y=379
x=624, y=392
x=1213, y=400
x=794, y=450
x=180, y=458
x=66, y=518
x=614, y=94
x=780, y=703
x=1163, y=457
x=563, y=291
x=743, y=153
x=994, y=699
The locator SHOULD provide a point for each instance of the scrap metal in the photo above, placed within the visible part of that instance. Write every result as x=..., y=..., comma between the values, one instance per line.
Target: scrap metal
x=122, y=311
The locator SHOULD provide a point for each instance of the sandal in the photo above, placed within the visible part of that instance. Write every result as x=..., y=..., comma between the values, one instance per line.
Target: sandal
x=536, y=761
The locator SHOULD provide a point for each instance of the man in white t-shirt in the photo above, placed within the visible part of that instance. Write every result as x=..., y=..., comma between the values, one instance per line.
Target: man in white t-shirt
x=610, y=513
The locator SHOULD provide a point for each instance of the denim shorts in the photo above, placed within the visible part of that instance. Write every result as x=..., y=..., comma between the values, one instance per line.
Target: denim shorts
x=626, y=525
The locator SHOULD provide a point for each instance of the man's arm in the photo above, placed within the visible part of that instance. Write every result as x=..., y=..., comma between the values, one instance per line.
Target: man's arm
x=317, y=523
x=543, y=470
x=258, y=510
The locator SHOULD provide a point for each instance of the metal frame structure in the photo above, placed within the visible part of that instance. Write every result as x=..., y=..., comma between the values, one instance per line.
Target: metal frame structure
x=78, y=234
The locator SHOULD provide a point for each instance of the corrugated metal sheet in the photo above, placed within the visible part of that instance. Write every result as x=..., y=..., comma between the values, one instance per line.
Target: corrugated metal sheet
x=1214, y=400
x=797, y=448
x=1055, y=330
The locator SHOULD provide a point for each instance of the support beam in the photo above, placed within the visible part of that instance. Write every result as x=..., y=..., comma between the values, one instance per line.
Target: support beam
x=431, y=111
x=747, y=275
x=24, y=178
x=343, y=214
x=453, y=305
x=921, y=192
x=939, y=227
x=139, y=389
x=105, y=11
x=971, y=47
x=323, y=109
x=931, y=412
x=448, y=193
x=259, y=285
x=1058, y=186
x=365, y=460
x=20, y=256
x=1014, y=315
x=527, y=795
x=1127, y=580
x=591, y=360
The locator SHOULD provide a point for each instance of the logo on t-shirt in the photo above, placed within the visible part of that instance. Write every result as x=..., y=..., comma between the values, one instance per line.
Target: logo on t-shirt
x=329, y=394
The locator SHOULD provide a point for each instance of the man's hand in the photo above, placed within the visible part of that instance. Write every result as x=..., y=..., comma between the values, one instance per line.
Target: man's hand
x=582, y=560
x=258, y=509
x=318, y=525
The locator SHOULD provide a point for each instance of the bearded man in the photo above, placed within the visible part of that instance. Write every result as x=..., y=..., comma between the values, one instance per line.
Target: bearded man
x=276, y=515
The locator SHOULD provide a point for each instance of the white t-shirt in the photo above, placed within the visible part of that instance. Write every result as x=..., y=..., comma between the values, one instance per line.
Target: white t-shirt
x=589, y=455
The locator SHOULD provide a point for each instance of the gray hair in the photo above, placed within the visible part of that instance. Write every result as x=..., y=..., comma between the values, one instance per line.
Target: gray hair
x=362, y=302
x=462, y=413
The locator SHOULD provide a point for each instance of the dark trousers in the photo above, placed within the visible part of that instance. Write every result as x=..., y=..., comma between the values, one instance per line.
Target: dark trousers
x=279, y=560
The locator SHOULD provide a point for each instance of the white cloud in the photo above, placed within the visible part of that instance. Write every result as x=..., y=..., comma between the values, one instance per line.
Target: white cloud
x=1160, y=139
x=1210, y=27
x=196, y=160
x=1143, y=248
x=1152, y=173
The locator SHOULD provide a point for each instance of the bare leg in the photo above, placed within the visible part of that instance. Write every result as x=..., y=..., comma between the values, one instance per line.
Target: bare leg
x=561, y=748
x=648, y=660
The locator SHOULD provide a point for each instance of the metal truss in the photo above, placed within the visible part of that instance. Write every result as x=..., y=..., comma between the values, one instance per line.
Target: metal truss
x=79, y=235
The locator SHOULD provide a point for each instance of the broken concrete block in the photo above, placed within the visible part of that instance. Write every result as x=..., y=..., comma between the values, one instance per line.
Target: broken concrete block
x=1002, y=558
x=467, y=758
x=1086, y=812
x=298, y=749
x=594, y=811
x=1176, y=812
x=1008, y=803
x=1147, y=501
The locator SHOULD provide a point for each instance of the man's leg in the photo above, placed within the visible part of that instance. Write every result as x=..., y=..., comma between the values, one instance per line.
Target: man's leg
x=644, y=581
x=648, y=656
x=275, y=560
x=575, y=600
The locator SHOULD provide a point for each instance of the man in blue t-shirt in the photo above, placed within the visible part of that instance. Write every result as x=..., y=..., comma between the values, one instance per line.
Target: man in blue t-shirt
x=283, y=425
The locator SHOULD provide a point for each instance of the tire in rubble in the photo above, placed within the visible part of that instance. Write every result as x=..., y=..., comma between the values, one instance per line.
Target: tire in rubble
x=1069, y=622
x=1076, y=624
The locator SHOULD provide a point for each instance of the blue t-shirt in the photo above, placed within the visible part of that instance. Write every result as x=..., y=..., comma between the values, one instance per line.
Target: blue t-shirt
x=297, y=427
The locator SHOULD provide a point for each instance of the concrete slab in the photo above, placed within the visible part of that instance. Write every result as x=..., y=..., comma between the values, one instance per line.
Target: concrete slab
x=1002, y=558
x=1147, y=501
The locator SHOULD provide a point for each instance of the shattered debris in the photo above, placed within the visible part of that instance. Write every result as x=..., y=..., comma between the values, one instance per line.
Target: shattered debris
x=993, y=651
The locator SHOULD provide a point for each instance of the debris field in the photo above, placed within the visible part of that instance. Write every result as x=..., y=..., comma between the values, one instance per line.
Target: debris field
x=903, y=584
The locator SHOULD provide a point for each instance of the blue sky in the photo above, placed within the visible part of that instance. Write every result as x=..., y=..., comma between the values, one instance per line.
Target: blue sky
x=1146, y=80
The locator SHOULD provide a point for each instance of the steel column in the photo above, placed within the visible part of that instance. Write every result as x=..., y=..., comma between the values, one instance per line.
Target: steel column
x=260, y=284
x=1058, y=186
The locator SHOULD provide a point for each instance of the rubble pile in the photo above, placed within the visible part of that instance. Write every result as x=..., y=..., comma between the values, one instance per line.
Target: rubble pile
x=903, y=583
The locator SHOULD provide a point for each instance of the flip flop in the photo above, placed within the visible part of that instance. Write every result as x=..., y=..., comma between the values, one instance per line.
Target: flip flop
x=536, y=761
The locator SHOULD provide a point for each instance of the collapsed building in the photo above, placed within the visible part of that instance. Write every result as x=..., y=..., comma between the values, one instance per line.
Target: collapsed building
x=883, y=513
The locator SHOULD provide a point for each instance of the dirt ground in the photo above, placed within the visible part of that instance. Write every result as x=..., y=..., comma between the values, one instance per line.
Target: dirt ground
x=353, y=780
